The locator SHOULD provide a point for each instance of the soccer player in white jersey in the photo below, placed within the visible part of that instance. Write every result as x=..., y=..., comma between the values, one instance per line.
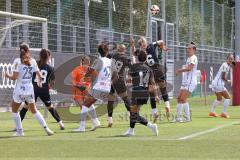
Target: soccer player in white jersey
x=189, y=82
x=218, y=86
x=23, y=90
x=101, y=73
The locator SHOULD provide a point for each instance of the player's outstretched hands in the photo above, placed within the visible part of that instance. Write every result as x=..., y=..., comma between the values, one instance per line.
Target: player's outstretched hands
x=81, y=87
x=132, y=42
x=165, y=49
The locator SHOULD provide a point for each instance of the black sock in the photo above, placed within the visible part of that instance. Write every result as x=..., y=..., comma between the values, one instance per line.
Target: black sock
x=133, y=119
x=54, y=114
x=153, y=102
x=164, y=94
x=110, y=108
x=142, y=120
x=127, y=103
x=23, y=113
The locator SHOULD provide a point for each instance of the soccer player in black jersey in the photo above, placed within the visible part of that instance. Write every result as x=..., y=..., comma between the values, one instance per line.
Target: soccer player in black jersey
x=142, y=84
x=121, y=61
x=47, y=73
x=158, y=71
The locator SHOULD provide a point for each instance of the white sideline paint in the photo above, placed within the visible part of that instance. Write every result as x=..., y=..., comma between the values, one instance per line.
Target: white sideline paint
x=207, y=131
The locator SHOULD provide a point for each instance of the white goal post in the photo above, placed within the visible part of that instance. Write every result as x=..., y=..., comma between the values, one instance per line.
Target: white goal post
x=14, y=29
x=33, y=19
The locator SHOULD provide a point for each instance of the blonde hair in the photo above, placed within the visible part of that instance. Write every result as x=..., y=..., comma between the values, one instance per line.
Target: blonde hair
x=85, y=57
x=142, y=40
x=121, y=48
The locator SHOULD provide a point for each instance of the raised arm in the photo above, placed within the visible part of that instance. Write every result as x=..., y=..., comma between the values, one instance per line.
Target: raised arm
x=161, y=45
x=133, y=49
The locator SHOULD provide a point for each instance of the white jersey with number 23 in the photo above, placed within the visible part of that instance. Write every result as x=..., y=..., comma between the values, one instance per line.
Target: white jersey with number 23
x=24, y=84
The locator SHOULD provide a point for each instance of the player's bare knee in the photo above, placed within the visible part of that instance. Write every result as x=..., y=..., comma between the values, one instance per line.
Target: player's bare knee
x=49, y=106
x=111, y=97
x=219, y=98
x=178, y=99
x=134, y=109
x=14, y=110
x=152, y=94
x=226, y=95
x=33, y=109
x=123, y=95
x=162, y=84
x=184, y=100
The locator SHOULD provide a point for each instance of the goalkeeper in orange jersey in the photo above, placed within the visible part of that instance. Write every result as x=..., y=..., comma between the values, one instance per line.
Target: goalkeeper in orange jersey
x=81, y=85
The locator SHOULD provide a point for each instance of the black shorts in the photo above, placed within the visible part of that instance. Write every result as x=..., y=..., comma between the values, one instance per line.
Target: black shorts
x=26, y=103
x=112, y=91
x=158, y=72
x=140, y=95
x=44, y=95
x=159, y=76
x=120, y=86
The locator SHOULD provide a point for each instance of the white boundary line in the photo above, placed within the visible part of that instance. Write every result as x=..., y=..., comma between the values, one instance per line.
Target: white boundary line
x=207, y=131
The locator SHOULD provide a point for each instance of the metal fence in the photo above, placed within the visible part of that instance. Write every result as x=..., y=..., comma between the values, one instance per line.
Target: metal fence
x=71, y=22
x=77, y=26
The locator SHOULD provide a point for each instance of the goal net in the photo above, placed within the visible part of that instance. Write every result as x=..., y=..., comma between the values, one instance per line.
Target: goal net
x=15, y=29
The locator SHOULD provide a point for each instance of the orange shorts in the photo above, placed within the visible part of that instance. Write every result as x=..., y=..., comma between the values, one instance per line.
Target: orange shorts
x=80, y=95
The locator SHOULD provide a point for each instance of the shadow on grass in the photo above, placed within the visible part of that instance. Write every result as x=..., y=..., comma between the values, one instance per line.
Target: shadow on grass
x=6, y=137
x=13, y=131
x=116, y=136
x=236, y=124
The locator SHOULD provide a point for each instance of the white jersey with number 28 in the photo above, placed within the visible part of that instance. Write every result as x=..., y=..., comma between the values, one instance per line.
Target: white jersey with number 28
x=190, y=78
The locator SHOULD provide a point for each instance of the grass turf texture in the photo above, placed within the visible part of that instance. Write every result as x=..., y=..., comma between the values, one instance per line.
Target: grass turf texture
x=106, y=143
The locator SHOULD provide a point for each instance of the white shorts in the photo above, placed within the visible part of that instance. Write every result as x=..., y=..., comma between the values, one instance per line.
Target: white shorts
x=18, y=98
x=99, y=95
x=188, y=87
x=218, y=88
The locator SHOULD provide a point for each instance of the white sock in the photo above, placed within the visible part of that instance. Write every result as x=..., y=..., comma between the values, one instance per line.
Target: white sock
x=40, y=119
x=149, y=125
x=187, y=110
x=84, y=113
x=179, y=110
x=214, y=105
x=131, y=129
x=167, y=104
x=92, y=112
x=17, y=121
x=110, y=120
x=92, y=107
x=225, y=105
x=154, y=111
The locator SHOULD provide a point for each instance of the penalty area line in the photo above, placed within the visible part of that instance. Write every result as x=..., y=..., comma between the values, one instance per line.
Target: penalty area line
x=207, y=131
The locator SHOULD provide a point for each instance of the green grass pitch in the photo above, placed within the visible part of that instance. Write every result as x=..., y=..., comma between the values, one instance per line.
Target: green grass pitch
x=203, y=138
